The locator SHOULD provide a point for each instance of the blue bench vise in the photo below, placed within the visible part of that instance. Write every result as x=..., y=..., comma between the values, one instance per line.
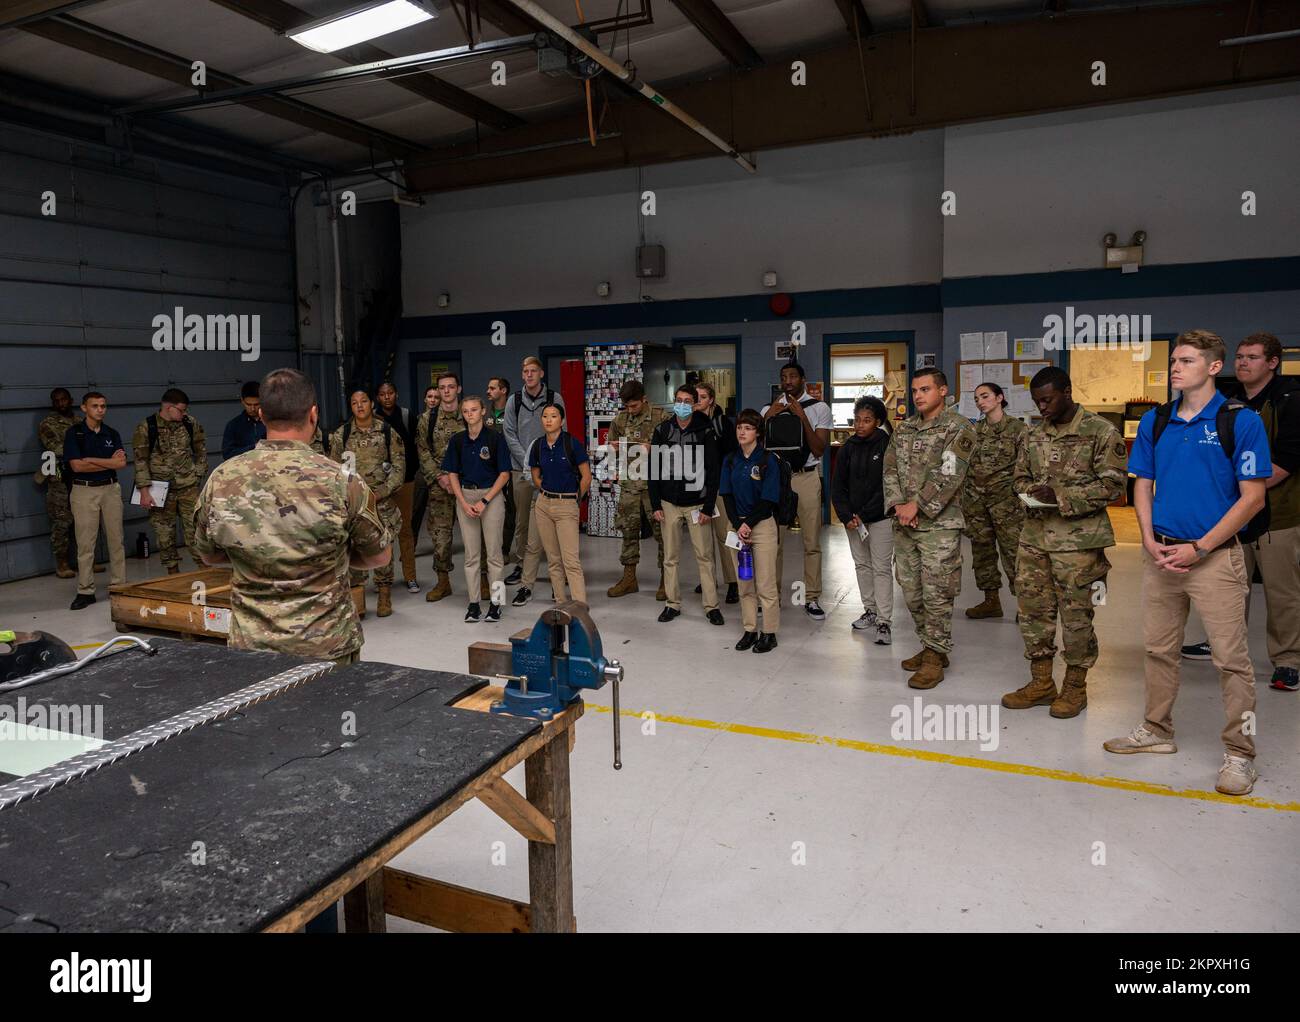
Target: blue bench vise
x=547, y=668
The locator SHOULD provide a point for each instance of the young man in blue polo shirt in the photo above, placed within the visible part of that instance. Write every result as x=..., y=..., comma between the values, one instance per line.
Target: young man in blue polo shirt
x=94, y=453
x=1192, y=499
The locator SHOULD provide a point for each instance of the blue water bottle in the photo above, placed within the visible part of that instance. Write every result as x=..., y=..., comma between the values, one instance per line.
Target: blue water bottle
x=745, y=564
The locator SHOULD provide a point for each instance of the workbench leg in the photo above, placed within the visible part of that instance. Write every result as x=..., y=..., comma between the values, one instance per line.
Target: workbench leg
x=550, y=867
x=363, y=906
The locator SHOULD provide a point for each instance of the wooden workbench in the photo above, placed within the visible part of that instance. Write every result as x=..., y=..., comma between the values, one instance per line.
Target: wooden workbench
x=168, y=604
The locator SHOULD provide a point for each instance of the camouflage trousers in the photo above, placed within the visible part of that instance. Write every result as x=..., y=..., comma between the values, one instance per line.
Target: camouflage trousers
x=180, y=504
x=442, y=516
x=1068, y=583
x=633, y=505
x=993, y=524
x=391, y=515
x=928, y=567
x=59, y=508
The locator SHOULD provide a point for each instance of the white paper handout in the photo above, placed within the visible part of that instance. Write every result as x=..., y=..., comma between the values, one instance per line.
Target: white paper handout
x=733, y=541
x=1028, y=347
x=966, y=405
x=972, y=347
x=158, y=491
x=971, y=376
x=1034, y=501
x=995, y=344
x=999, y=373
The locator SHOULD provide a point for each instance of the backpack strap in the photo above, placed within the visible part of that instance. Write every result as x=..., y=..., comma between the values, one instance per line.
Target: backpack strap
x=388, y=441
x=347, y=432
x=1224, y=422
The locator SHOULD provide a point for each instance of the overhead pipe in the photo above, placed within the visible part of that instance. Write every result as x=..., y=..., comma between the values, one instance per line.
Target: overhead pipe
x=1267, y=37
x=558, y=28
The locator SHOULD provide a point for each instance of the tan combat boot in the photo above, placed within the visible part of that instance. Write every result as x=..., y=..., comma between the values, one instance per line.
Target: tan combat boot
x=661, y=594
x=385, y=608
x=931, y=672
x=63, y=569
x=913, y=663
x=441, y=590
x=1040, y=691
x=173, y=569
x=626, y=584
x=991, y=607
x=1074, y=693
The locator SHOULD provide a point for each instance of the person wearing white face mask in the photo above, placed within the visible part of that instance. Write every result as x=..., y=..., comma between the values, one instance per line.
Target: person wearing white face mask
x=685, y=448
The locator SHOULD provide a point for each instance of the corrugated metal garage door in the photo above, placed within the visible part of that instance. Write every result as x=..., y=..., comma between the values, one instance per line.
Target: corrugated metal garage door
x=79, y=290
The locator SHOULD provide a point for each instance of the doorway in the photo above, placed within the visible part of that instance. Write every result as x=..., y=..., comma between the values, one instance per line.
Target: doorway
x=426, y=366
x=710, y=360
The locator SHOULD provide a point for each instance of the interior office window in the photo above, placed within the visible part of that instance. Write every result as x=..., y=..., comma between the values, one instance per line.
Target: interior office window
x=1290, y=362
x=852, y=377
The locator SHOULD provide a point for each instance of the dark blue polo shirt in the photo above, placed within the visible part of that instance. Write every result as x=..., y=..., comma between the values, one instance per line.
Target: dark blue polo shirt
x=740, y=478
x=472, y=460
x=1194, y=482
x=80, y=441
x=557, y=476
x=241, y=436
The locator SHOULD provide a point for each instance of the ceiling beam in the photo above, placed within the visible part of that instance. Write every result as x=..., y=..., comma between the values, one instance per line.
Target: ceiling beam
x=855, y=17
x=1161, y=51
x=177, y=70
x=281, y=17
x=717, y=28
x=508, y=19
x=18, y=12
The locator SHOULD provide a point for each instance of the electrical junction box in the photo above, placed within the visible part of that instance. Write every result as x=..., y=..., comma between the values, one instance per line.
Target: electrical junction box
x=650, y=261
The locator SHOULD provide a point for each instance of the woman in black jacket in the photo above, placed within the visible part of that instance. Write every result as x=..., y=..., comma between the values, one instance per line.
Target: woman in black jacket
x=858, y=494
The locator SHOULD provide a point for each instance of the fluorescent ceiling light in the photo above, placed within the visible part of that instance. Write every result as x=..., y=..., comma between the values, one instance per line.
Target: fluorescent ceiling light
x=360, y=24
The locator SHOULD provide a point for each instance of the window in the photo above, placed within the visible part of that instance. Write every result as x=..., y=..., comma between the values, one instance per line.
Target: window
x=854, y=375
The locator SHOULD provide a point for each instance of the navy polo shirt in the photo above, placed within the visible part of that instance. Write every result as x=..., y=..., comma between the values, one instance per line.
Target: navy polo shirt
x=557, y=476
x=83, y=442
x=740, y=478
x=472, y=459
x=1194, y=482
x=241, y=436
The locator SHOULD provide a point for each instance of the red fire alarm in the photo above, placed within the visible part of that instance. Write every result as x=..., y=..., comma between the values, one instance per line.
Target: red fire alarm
x=780, y=303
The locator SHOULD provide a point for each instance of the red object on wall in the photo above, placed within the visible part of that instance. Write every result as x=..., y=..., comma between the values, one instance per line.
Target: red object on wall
x=573, y=388
x=780, y=303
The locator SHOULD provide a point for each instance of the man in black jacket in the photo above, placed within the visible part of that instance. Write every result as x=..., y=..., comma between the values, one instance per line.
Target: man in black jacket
x=402, y=422
x=707, y=403
x=684, y=469
x=858, y=495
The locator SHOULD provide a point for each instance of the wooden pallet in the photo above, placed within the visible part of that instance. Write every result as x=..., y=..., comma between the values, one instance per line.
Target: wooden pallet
x=168, y=604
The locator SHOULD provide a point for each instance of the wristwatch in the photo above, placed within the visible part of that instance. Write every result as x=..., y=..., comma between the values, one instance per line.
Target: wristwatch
x=1201, y=553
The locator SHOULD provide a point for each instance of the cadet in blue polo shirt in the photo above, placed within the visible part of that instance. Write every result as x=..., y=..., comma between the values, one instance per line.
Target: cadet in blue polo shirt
x=750, y=490
x=1192, y=500
x=478, y=464
x=562, y=476
x=94, y=452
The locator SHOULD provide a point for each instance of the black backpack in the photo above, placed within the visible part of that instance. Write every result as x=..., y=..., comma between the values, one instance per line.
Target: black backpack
x=1225, y=423
x=152, y=423
x=517, y=398
x=388, y=438
x=787, y=504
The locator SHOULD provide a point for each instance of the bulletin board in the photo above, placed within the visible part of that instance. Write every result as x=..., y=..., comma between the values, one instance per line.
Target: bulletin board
x=1013, y=378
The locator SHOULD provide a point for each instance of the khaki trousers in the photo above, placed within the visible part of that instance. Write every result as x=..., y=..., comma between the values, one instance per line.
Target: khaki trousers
x=527, y=544
x=808, y=488
x=476, y=533
x=720, y=529
x=1277, y=554
x=557, y=526
x=92, y=505
x=763, y=586
x=701, y=535
x=1217, y=588
x=873, y=560
x=405, y=498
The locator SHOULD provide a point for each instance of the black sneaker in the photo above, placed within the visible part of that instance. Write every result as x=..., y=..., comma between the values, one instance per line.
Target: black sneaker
x=473, y=613
x=766, y=643
x=522, y=596
x=715, y=617
x=699, y=589
x=516, y=576
x=746, y=640
x=82, y=601
x=814, y=610
x=1285, y=679
x=667, y=614
x=494, y=612
x=1197, y=651
x=733, y=592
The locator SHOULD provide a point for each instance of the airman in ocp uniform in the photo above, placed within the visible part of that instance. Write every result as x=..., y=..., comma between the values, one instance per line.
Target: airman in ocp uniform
x=1074, y=462
x=380, y=459
x=51, y=431
x=433, y=432
x=634, y=426
x=170, y=446
x=925, y=467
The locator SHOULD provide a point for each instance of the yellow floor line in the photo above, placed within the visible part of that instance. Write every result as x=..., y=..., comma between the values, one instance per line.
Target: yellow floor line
x=1024, y=769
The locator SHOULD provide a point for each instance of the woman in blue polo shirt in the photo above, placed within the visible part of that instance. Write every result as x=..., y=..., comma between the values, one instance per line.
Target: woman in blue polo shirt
x=750, y=490
x=561, y=477
x=478, y=463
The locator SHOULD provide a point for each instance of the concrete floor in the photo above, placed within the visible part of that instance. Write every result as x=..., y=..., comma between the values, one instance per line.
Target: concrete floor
x=773, y=796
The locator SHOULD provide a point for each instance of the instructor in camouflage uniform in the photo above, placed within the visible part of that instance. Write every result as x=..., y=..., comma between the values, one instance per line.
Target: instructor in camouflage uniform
x=169, y=446
x=288, y=521
x=378, y=455
x=994, y=514
x=925, y=467
x=632, y=427
x=51, y=432
x=1074, y=461
x=432, y=433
